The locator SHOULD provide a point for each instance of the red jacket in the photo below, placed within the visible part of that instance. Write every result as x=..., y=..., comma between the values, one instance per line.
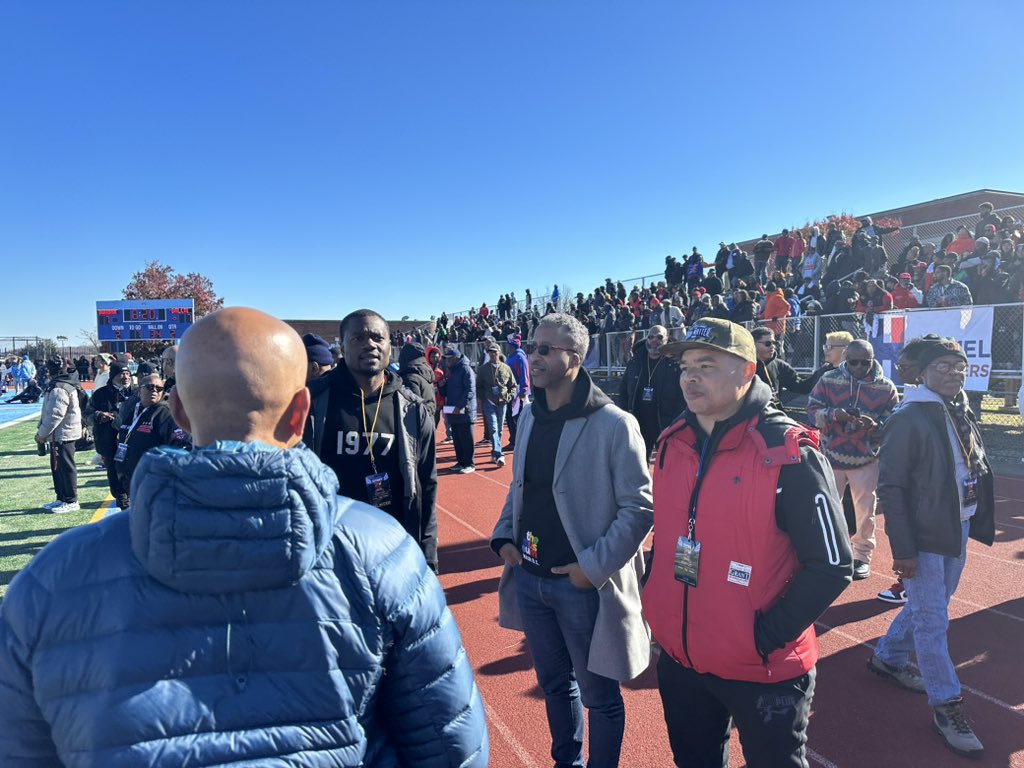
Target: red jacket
x=721, y=611
x=902, y=298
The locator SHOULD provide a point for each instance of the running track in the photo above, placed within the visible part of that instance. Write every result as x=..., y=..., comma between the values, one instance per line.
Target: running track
x=858, y=719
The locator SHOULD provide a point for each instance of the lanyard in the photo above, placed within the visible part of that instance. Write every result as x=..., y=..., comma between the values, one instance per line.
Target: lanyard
x=139, y=413
x=696, y=489
x=956, y=433
x=369, y=432
x=651, y=373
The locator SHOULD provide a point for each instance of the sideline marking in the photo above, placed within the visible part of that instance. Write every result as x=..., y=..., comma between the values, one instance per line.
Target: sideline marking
x=19, y=420
x=104, y=509
x=506, y=733
x=1015, y=709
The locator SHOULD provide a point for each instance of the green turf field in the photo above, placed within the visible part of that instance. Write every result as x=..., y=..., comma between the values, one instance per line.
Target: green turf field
x=25, y=478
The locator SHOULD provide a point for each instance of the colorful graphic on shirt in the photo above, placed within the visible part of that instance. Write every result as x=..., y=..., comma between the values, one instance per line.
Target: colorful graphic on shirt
x=530, y=546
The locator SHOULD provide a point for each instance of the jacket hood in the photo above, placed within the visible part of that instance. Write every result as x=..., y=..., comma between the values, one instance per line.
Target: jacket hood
x=410, y=352
x=431, y=348
x=587, y=397
x=231, y=517
x=921, y=394
x=876, y=373
x=349, y=387
x=66, y=378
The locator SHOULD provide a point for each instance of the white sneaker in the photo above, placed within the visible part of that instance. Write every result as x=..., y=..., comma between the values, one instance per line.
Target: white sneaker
x=500, y=461
x=65, y=507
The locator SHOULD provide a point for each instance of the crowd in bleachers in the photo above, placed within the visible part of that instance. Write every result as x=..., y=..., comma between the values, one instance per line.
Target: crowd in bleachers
x=805, y=271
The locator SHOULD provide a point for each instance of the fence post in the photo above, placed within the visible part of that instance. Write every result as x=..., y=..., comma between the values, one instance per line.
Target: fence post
x=817, y=343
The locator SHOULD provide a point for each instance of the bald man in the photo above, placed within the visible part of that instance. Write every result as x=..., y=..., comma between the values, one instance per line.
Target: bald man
x=243, y=611
x=650, y=386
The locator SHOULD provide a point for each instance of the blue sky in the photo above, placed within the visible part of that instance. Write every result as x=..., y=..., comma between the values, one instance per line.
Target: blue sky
x=315, y=157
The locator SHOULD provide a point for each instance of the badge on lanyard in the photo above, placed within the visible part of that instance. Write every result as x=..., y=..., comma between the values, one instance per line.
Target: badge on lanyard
x=970, y=491
x=122, y=451
x=687, y=561
x=648, y=395
x=378, y=489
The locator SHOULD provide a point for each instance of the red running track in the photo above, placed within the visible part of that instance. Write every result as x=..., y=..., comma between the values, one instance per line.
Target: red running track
x=857, y=720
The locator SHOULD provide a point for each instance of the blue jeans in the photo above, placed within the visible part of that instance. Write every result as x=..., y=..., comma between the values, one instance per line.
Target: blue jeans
x=558, y=619
x=494, y=416
x=923, y=623
x=447, y=419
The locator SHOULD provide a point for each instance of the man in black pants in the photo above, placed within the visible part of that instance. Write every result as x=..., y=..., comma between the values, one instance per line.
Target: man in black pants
x=754, y=551
x=61, y=426
x=460, y=396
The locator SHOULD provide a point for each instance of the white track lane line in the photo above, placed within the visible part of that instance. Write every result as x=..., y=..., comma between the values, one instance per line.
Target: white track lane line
x=1017, y=709
x=506, y=733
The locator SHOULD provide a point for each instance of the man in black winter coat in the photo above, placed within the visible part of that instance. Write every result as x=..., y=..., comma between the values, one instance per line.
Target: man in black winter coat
x=417, y=374
x=104, y=408
x=650, y=387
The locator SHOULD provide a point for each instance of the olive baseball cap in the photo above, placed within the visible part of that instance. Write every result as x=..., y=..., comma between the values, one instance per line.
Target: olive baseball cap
x=718, y=334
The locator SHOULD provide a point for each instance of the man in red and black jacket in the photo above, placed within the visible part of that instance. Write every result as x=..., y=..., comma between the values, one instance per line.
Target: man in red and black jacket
x=751, y=549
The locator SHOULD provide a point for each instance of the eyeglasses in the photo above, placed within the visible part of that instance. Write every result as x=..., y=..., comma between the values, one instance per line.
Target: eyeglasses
x=152, y=387
x=949, y=367
x=545, y=349
x=827, y=347
x=858, y=363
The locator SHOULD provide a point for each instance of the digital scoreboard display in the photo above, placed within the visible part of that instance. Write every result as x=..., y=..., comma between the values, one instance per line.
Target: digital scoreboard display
x=144, y=320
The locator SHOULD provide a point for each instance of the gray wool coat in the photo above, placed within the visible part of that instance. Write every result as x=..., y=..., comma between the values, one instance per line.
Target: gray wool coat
x=602, y=491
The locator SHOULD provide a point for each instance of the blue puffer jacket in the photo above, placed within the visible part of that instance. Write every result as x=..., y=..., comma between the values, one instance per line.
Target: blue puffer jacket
x=241, y=613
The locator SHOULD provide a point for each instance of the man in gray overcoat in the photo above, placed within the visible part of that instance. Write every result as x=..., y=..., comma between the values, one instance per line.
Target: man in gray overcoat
x=571, y=534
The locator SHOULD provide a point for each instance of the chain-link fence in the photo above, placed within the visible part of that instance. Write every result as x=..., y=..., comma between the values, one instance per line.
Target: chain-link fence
x=934, y=231
x=801, y=339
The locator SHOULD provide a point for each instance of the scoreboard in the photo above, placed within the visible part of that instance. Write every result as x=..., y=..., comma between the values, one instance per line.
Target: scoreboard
x=144, y=320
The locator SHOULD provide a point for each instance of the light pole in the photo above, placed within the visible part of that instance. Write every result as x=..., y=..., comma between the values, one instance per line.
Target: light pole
x=62, y=340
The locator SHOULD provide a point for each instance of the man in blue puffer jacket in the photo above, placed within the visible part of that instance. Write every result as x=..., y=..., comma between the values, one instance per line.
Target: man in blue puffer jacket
x=242, y=612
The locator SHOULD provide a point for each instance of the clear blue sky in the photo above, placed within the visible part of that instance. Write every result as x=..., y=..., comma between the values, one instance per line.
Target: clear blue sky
x=313, y=157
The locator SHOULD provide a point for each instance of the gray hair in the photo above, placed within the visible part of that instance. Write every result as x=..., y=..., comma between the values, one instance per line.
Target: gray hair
x=572, y=328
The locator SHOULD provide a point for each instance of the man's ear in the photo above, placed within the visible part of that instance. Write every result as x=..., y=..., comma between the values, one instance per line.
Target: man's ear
x=178, y=410
x=293, y=422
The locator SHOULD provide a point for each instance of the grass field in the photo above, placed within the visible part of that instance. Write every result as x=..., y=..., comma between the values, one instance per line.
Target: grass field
x=25, y=527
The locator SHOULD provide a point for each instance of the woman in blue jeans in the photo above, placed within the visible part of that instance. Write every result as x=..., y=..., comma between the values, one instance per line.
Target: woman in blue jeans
x=935, y=485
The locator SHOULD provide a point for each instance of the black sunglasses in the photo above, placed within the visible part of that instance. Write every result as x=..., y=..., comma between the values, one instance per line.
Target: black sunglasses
x=153, y=387
x=545, y=349
x=858, y=363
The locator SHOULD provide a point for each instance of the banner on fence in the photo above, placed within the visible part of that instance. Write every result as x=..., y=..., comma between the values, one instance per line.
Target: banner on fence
x=887, y=333
x=972, y=327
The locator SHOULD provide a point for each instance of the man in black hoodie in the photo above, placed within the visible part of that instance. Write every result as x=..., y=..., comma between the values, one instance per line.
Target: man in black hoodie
x=570, y=533
x=417, y=374
x=378, y=439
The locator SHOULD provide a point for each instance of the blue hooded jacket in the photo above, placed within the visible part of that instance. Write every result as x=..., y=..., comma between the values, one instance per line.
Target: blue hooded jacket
x=241, y=613
x=460, y=389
